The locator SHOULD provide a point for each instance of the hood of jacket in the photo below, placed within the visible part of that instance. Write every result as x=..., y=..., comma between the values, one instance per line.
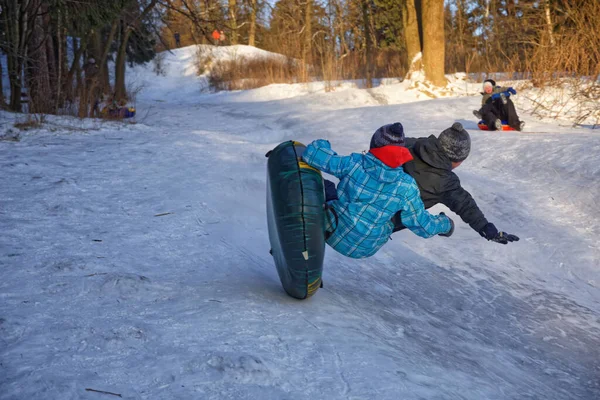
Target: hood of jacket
x=392, y=156
x=379, y=171
x=431, y=153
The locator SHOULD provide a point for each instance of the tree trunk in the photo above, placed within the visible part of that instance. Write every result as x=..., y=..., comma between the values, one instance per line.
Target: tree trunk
x=492, y=56
x=461, y=24
x=411, y=35
x=59, y=70
x=78, y=50
x=368, y=44
x=120, y=91
x=307, y=48
x=15, y=87
x=233, y=21
x=38, y=72
x=51, y=60
x=15, y=21
x=549, y=25
x=341, y=29
x=2, y=103
x=103, y=63
x=372, y=28
x=252, y=34
x=94, y=48
x=433, y=41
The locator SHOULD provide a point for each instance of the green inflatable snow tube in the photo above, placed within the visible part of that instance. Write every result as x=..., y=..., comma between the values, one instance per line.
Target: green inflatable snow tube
x=296, y=219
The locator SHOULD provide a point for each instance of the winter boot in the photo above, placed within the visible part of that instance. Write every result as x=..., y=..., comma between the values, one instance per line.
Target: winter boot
x=477, y=114
x=498, y=125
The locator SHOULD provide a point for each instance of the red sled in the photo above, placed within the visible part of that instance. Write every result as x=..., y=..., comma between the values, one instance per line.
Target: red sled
x=505, y=126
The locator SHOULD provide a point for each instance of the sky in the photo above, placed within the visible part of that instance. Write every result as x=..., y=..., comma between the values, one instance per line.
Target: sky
x=134, y=256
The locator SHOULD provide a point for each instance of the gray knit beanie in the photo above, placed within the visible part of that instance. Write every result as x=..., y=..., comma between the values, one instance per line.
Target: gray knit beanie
x=455, y=142
x=388, y=135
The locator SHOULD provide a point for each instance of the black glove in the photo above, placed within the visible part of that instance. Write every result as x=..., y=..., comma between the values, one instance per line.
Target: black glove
x=504, y=238
x=448, y=234
x=490, y=232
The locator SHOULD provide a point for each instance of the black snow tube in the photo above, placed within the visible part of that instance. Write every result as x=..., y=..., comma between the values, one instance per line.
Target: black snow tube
x=296, y=219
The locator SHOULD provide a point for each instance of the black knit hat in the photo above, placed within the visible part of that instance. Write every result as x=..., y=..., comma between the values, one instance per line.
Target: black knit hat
x=456, y=142
x=388, y=135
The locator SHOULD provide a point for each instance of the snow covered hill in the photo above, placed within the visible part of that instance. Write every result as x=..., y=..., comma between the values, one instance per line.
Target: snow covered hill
x=134, y=258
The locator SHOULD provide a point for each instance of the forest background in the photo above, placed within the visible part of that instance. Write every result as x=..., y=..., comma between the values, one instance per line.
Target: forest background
x=47, y=44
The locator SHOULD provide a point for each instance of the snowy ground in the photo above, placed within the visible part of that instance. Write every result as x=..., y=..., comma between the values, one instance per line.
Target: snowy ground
x=134, y=259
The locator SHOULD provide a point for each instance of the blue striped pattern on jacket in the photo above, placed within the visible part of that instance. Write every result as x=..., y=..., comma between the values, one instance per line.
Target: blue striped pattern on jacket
x=370, y=193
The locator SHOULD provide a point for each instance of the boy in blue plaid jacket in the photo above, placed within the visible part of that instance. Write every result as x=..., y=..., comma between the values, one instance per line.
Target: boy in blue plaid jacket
x=372, y=188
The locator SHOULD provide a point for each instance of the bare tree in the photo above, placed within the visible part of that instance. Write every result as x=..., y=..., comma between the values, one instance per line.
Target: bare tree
x=37, y=71
x=233, y=21
x=307, y=35
x=2, y=101
x=127, y=29
x=549, y=25
x=368, y=44
x=252, y=33
x=18, y=18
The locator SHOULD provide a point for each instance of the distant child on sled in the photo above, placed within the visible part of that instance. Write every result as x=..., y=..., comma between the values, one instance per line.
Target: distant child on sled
x=372, y=188
x=496, y=107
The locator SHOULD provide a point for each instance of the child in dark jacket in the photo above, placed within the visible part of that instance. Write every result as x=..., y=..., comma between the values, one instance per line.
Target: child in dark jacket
x=432, y=165
x=373, y=187
x=496, y=106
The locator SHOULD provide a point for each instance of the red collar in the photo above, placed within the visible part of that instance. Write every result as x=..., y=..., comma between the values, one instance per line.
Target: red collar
x=392, y=156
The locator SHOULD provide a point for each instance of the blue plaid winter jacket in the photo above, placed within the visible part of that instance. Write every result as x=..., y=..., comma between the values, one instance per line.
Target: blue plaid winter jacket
x=370, y=193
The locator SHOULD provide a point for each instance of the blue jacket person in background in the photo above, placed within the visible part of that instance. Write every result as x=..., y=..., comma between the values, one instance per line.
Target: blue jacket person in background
x=372, y=188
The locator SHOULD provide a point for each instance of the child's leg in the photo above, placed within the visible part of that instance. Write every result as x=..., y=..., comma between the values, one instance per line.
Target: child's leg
x=330, y=190
x=511, y=115
x=489, y=115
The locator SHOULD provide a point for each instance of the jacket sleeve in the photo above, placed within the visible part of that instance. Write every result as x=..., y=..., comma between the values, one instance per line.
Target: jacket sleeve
x=488, y=97
x=420, y=221
x=462, y=203
x=319, y=154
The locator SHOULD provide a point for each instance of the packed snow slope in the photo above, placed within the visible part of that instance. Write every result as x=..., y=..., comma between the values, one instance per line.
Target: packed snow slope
x=134, y=258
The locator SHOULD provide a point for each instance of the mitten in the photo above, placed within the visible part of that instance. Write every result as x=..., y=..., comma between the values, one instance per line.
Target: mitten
x=448, y=234
x=511, y=90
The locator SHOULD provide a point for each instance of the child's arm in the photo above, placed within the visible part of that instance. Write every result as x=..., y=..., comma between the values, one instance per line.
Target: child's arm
x=319, y=154
x=420, y=221
x=459, y=201
x=499, y=89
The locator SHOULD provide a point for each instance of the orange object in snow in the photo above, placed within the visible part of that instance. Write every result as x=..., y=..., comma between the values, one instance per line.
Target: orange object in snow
x=481, y=125
x=216, y=35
